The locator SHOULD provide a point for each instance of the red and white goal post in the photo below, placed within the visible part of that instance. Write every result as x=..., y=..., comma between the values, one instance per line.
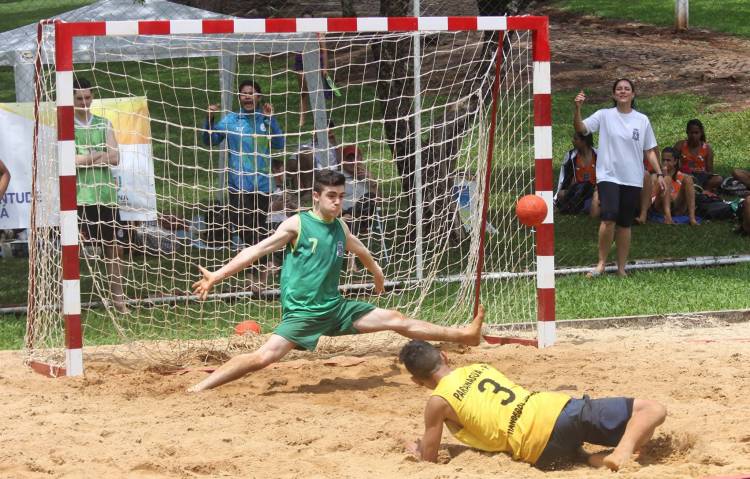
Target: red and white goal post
x=471, y=133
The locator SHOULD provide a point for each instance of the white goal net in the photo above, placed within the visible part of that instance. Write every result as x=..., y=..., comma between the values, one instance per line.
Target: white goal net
x=414, y=148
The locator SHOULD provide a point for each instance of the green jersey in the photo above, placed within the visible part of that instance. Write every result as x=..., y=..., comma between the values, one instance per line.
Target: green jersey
x=96, y=186
x=312, y=266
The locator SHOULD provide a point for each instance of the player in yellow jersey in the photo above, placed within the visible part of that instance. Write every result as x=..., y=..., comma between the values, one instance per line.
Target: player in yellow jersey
x=485, y=410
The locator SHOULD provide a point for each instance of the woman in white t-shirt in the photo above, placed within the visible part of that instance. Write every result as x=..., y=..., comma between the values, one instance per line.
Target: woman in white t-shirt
x=625, y=136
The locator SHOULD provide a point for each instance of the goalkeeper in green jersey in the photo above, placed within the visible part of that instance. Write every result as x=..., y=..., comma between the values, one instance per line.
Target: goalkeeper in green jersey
x=315, y=242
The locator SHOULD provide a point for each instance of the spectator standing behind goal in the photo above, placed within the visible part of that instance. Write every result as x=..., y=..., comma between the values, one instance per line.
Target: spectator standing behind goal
x=576, y=188
x=250, y=135
x=698, y=156
x=624, y=136
x=678, y=198
x=314, y=244
x=485, y=410
x=98, y=213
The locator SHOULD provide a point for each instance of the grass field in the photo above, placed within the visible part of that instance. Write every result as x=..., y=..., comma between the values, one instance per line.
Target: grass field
x=728, y=16
x=18, y=13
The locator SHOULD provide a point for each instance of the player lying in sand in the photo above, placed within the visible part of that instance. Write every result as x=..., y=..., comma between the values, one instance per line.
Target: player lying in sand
x=311, y=304
x=485, y=410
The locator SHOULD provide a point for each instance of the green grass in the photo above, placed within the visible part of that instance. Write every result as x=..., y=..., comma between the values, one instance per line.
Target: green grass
x=654, y=292
x=12, y=329
x=728, y=16
x=576, y=241
x=18, y=13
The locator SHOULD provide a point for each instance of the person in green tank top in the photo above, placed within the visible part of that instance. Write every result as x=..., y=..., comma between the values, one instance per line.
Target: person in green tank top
x=487, y=411
x=96, y=152
x=314, y=243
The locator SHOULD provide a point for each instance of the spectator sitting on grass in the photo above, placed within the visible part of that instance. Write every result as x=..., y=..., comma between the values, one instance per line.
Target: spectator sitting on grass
x=698, y=157
x=678, y=198
x=576, y=189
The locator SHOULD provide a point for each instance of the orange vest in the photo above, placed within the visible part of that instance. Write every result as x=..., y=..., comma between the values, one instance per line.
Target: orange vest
x=677, y=184
x=693, y=162
x=586, y=173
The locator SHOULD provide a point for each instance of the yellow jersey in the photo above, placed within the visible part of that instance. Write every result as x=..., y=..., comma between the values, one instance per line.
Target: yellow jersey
x=497, y=414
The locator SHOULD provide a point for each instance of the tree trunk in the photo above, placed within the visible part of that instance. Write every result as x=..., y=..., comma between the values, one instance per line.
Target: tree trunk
x=395, y=90
x=347, y=8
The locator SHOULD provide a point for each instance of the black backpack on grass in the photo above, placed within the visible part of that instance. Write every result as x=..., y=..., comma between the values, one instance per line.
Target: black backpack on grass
x=712, y=207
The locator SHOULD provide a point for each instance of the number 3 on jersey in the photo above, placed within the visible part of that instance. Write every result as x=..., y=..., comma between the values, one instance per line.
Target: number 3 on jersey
x=485, y=383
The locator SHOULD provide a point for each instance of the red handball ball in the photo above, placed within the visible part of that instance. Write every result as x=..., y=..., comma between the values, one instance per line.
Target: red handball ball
x=531, y=210
x=247, y=327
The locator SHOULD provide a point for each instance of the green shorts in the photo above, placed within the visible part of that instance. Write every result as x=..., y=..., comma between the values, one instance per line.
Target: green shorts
x=305, y=332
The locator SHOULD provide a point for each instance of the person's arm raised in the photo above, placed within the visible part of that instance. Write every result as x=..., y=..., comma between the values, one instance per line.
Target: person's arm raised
x=286, y=232
x=578, y=124
x=210, y=136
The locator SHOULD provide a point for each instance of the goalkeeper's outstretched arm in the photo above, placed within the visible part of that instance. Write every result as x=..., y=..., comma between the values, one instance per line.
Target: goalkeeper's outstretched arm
x=286, y=232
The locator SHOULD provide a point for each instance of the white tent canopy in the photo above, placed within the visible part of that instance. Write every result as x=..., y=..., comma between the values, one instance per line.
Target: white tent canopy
x=18, y=47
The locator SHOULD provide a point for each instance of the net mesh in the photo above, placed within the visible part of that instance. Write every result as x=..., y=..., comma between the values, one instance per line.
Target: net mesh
x=361, y=116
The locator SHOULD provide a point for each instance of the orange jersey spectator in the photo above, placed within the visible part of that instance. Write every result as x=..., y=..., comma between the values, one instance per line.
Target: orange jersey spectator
x=698, y=157
x=694, y=162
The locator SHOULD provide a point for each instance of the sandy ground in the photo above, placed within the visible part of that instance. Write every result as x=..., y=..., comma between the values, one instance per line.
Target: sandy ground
x=348, y=417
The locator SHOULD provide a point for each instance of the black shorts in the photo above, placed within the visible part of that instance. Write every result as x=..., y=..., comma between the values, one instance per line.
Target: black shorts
x=248, y=214
x=619, y=203
x=596, y=421
x=99, y=223
x=702, y=177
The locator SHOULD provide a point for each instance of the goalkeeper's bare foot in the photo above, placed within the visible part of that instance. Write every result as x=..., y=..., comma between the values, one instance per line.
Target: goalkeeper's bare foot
x=473, y=332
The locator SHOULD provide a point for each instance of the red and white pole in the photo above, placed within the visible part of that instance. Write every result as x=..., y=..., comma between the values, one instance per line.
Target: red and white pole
x=71, y=284
x=545, y=233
